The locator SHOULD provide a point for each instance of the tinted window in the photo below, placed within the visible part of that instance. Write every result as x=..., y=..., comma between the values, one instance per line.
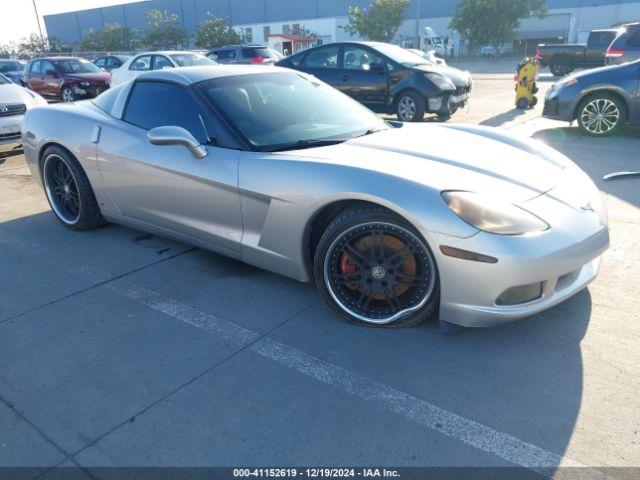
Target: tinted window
x=141, y=63
x=356, y=58
x=158, y=104
x=35, y=67
x=10, y=66
x=266, y=109
x=100, y=62
x=634, y=38
x=263, y=52
x=75, y=66
x=225, y=54
x=326, y=57
x=47, y=66
x=114, y=62
x=602, y=39
x=160, y=62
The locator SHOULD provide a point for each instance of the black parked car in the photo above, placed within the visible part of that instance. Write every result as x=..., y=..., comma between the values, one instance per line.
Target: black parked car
x=563, y=58
x=602, y=100
x=386, y=78
x=626, y=46
x=109, y=62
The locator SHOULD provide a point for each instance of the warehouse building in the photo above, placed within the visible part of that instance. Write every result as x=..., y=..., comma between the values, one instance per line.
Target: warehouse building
x=294, y=24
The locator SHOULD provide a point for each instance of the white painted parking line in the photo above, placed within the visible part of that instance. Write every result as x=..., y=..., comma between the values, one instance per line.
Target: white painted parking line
x=458, y=427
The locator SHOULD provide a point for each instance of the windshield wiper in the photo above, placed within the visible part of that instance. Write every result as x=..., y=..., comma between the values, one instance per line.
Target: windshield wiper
x=302, y=144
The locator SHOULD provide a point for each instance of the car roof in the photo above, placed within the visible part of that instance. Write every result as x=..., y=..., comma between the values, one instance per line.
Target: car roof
x=164, y=52
x=191, y=75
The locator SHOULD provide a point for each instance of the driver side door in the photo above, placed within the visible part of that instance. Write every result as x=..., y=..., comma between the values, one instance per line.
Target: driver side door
x=195, y=199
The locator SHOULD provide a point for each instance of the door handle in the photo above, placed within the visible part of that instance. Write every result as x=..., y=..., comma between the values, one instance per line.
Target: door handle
x=344, y=78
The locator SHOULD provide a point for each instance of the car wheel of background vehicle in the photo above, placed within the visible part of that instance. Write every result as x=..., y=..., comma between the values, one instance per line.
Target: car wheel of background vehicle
x=67, y=95
x=373, y=268
x=522, y=103
x=411, y=107
x=559, y=70
x=68, y=191
x=601, y=114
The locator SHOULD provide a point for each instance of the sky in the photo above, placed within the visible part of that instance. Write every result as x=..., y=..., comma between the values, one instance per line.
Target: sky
x=18, y=19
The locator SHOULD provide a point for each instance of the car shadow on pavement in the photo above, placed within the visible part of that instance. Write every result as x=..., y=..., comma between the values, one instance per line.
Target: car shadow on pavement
x=503, y=118
x=523, y=379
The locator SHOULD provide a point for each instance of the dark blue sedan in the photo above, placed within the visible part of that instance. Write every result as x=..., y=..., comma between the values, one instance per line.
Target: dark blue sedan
x=601, y=100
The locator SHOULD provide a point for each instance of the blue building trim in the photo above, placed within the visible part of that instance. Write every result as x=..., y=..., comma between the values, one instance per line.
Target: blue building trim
x=69, y=27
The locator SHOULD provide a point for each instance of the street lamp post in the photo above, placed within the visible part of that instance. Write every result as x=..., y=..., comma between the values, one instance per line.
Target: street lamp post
x=417, y=32
x=35, y=8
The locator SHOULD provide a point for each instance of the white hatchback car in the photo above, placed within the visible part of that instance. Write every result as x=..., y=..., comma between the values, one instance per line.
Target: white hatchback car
x=14, y=102
x=147, y=61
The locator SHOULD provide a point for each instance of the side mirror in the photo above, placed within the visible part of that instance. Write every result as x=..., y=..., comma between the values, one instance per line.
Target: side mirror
x=176, y=136
x=377, y=67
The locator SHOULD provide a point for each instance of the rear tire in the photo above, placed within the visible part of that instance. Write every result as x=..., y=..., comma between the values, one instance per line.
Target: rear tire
x=68, y=191
x=411, y=107
x=559, y=69
x=372, y=268
x=601, y=114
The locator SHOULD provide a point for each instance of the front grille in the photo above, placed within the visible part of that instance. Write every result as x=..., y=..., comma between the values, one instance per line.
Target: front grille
x=461, y=90
x=8, y=109
x=9, y=136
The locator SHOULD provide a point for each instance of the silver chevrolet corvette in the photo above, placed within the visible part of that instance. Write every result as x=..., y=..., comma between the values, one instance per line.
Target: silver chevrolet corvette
x=394, y=222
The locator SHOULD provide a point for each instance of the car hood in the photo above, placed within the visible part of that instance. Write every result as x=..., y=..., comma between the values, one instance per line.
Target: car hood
x=458, y=77
x=89, y=77
x=453, y=157
x=13, y=93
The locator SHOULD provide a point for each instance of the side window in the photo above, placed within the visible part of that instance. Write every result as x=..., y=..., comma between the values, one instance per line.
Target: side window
x=142, y=63
x=113, y=62
x=326, y=57
x=35, y=67
x=160, y=62
x=225, y=54
x=47, y=66
x=159, y=104
x=634, y=39
x=101, y=62
x=356, y=58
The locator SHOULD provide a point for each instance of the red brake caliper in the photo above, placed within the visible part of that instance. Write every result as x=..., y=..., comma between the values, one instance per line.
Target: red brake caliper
x=346, y=264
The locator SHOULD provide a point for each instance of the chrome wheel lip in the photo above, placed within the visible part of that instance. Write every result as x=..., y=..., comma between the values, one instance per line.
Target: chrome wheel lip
x=398, y=315
x=407, y=108
x=600, y=116
x=51, y=197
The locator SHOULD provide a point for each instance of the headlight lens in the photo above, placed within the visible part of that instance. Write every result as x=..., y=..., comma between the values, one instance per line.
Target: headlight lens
x=492, y=215
x=85, y=84
x=443, y=83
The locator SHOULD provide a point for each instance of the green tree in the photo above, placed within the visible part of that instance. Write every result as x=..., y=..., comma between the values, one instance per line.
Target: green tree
x=112, y=38
x=163, y=32
x=34, y=45
x=379, y=22
x=493, y=22
x=9, y=50
x=215, y=32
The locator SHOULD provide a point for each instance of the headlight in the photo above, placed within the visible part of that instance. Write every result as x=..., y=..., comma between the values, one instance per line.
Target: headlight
x=440, y=81
x=492, y=215
x=84, y=84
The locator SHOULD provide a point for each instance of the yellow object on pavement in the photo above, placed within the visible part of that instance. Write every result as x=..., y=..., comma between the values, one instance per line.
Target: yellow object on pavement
x=526, y=88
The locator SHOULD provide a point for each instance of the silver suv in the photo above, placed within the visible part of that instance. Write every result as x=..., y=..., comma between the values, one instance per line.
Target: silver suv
x=244, y=54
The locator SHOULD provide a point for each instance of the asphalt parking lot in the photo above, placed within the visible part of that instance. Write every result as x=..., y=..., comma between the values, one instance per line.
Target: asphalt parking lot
x=119, y=348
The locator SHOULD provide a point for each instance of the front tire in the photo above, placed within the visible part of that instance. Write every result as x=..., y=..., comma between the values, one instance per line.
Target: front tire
x=374, y=269
x=68, y=191
x=411, y=107
x=601, y=115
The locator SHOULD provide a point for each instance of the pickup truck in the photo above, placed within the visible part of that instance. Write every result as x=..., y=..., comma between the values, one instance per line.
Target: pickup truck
x=562, y=59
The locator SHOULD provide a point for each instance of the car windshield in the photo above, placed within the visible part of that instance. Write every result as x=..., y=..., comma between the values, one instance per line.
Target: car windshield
x=400, y=55
x=4, y=80
x=280, y=111
x=191, y=59
x=76, y=66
